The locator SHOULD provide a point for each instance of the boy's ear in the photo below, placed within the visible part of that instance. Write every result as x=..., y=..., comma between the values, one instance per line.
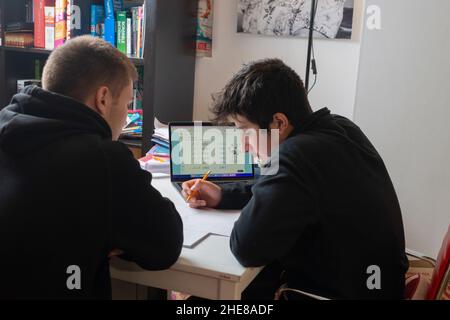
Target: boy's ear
x=102, y=101
x=280, y=122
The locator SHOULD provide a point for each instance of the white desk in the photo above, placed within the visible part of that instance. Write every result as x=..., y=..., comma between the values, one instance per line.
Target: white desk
x=209, y=270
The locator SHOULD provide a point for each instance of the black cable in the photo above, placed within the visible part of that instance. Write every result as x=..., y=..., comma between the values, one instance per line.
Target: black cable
x=310, y=43
x=314, y=84
x=314, y=61
x=314, y=68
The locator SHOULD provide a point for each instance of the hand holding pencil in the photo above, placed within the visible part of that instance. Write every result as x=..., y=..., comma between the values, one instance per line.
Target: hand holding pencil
x=193, y=189
x=202, y=193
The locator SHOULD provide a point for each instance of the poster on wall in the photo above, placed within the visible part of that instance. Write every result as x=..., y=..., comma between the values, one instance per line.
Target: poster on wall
x=204, y=28
x=334, y=18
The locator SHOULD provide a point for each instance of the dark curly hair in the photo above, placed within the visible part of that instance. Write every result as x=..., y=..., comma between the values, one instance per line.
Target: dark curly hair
x=261, y=89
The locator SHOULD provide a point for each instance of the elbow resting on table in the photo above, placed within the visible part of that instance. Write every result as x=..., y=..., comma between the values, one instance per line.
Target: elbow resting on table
x=165, y=253
x=246, y=256
x=164, y=257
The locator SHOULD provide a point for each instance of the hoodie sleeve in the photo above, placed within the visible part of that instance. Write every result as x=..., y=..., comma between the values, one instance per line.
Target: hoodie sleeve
x=235, y=195
x=281, y=207
x=145, y=225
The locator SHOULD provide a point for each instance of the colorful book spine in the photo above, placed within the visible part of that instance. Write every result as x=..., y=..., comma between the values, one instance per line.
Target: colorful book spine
x=109, y=8
x=122, y=31
x=110, y=23
x=139, y=35
x=69, y=19
x=49, y=27
x=39, y=23
x=19, y=39
x=60, y=22
x=97, y=20
x=134, y=19
x=144, y=17
x=129, y=38
x=29, y=12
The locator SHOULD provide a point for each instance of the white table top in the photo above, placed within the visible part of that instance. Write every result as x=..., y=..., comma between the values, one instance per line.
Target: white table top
x=212, y=257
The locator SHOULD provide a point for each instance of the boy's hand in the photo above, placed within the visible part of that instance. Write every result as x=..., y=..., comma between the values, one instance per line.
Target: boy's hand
x=203, y=193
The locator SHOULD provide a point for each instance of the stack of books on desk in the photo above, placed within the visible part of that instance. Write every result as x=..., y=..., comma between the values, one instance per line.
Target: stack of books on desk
x=160, y=139
x=157, y=159
x=155, y=164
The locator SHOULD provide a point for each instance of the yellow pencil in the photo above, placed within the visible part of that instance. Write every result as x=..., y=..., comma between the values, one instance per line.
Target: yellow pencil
x=205, y=176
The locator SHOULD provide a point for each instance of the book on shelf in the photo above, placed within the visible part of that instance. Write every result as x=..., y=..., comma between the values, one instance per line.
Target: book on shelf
x=60, y=22
x=110, y=23
x=29, y=14
x=129, y=49
x=124, y=26
x=134, y=28
x=97, y=20
x=39, y=23
x=19, y=26
x=133, y=127
x=19, y=34
x=53, y=22
x=143, y=24
x=139, y=36
x=69, y=19
x=49, y=12
x=22, y=39
x=122, y=31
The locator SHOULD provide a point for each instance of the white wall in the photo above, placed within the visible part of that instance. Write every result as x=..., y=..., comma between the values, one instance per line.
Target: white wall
x=408, y=124
x=403, y=105
x=337, y=62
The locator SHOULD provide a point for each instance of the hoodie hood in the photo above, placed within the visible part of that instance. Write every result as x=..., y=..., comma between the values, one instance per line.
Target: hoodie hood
x=36, y=118
x=322, y=120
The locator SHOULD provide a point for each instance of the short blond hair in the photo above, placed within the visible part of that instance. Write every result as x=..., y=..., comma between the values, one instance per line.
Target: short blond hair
x=83, y=64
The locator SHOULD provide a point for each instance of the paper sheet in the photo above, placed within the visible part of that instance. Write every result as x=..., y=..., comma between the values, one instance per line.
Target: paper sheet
x=193, y=237
x=197, y=223
x=211, y=221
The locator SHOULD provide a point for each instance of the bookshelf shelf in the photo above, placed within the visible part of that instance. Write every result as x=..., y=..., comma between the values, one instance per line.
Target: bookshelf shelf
x=136, y=61
x=168, y=65
x=30, y=50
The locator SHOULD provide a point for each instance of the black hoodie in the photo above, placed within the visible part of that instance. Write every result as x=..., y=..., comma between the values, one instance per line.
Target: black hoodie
x=68, y=196
x=328, y=217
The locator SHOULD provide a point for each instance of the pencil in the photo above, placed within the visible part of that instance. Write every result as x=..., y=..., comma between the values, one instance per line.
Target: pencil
x=205, y=176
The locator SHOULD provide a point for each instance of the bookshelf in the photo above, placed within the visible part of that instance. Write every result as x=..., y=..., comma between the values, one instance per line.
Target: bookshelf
x=168, y=63
x=137, y=61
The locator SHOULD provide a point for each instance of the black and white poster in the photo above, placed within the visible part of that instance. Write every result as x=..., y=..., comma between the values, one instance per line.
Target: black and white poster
x=333, y=20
